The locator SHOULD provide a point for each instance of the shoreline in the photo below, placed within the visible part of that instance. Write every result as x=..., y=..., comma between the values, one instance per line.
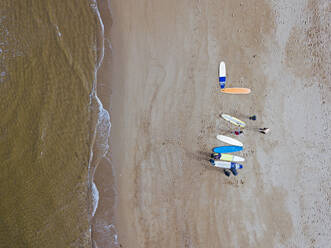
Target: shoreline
x=103, y=230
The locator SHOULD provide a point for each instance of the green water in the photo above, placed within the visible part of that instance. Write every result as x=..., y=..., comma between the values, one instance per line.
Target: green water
x=47, y=64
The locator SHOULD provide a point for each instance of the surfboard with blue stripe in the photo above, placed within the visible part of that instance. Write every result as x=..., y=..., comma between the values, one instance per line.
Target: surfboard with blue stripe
x=222, y=75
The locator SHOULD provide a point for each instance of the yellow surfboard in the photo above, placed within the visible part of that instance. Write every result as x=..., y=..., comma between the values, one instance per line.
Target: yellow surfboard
x=234, y=120
x=228, y=157
x=236, y=90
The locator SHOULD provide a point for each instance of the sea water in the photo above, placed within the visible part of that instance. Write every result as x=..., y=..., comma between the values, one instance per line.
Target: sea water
x=53, y=128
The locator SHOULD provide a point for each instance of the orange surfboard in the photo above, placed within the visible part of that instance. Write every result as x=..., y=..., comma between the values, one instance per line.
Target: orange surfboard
x=236, y=90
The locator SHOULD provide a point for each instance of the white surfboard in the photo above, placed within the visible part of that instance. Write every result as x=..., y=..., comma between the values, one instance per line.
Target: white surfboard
x=222, y=75
x=225, y=165
x=229, y=140
x=222, y=164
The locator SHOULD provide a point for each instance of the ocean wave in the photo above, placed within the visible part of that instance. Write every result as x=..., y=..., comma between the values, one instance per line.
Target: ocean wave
x=100, y=142
x=102, y=126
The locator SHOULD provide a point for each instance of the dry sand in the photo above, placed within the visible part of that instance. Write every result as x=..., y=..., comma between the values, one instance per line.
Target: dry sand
x=165, y=105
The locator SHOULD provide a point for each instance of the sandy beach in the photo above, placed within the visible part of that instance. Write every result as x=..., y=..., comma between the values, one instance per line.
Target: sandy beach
x=160, y=84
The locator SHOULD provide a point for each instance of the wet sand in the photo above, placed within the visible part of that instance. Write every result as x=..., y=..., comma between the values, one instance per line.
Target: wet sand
x=165, y=105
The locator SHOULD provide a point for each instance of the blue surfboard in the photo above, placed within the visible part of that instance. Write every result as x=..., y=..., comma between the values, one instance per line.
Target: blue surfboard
x=227, y=149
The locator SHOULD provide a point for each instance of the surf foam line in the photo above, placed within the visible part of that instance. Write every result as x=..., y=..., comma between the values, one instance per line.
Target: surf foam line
x=102, y=125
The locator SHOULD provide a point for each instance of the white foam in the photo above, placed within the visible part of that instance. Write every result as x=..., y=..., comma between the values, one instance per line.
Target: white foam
x=102, y=129
x=58, y=31
x=101, y=136
x=95, y=198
